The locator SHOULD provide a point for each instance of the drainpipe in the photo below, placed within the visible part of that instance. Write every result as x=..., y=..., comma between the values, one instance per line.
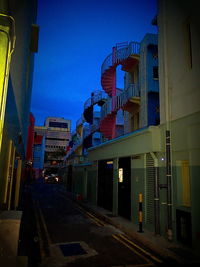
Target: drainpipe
x=169, y=184
x=162, y=8
x=156, y=195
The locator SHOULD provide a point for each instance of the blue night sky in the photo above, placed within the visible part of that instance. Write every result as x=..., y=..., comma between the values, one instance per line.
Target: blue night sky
x=74, y=39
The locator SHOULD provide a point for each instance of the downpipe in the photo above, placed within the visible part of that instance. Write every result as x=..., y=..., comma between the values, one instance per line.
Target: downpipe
x=169, y=185
x=156, y=195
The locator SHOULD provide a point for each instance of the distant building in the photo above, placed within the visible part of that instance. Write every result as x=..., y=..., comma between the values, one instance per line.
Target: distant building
x=38, y=155
x=57, y=135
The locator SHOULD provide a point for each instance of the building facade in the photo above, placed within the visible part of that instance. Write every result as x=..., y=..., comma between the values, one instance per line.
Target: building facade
x=17, y=62
x=128, y=149
x=57, y=135
x=158, y=155
x=18, y=43
x=38, y=155
x=179, y=56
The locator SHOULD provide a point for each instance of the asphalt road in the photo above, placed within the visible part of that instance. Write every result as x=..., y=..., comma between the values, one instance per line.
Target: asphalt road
x=68, y=235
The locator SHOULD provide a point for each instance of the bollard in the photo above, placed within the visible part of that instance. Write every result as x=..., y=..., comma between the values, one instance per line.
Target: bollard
x=140, y=213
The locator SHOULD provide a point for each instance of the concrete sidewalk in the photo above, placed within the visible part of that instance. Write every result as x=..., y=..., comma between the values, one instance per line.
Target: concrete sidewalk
x=178, y=253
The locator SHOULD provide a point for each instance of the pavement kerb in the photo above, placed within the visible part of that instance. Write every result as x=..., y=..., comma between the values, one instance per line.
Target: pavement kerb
x=158, y=244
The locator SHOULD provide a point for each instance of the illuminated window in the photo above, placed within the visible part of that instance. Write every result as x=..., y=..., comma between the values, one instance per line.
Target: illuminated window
x=120, y=175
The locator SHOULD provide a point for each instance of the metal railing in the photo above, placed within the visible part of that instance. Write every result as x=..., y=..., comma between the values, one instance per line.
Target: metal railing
x=133, y=48
x=78, y=143
x=119, y=101
x=106, y=108
x=92, y=128
x=122, y=99
x=95, y=98
x=80, y=121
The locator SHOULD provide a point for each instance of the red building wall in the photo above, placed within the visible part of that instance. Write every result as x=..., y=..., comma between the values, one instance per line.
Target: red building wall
x=30, y=140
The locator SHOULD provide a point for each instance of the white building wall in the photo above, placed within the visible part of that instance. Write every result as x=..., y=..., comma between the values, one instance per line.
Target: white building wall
x=179, y=81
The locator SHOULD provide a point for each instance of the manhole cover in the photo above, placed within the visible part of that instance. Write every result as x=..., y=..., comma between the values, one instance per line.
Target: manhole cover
x=72, y=249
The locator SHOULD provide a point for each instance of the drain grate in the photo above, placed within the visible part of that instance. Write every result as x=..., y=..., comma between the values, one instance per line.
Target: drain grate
x=72, y=249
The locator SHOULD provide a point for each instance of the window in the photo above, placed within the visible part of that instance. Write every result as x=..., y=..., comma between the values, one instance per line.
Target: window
x=57, y=139
x=58, y=124
x=155, y=72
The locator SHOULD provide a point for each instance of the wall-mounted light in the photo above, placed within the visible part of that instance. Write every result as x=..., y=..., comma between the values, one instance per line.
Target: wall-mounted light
x=121, y=175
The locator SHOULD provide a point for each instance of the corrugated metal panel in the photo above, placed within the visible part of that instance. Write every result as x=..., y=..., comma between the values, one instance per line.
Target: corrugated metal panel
x=150, y=171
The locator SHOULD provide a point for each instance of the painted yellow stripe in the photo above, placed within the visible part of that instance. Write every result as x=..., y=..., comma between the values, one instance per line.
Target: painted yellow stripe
x=96, y=219
x=93, y=218
x=140, y=216
x=39, y=233
x=140, y=197
x=98, y=224
x=131, y=248
x=141, y=249
x=44, y=225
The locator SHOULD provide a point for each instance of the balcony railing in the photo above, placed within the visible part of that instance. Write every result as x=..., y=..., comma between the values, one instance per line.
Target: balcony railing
x=106, y=108
x=95, y=98
x=133, y=48
x=131, y=92
x=92, y=128
x=119, y=101
x=80, y=121
x=78, y=143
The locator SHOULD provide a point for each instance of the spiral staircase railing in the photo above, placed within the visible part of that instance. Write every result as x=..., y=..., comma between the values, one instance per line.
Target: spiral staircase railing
x=120, y=55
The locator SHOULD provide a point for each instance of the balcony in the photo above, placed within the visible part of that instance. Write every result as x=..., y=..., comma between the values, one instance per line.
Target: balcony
x=122, y=101
x=133, y=48
x=76, y=145
x=131, y=94
x=80, y=122
x=96, y=98
x=106, y=108
x=91, y=129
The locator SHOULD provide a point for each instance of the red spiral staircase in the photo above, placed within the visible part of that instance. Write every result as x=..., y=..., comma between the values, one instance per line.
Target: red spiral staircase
x=122, y=54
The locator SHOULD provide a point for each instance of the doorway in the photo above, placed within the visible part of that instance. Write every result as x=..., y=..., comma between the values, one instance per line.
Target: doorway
x=105, y=184
x=124, y=188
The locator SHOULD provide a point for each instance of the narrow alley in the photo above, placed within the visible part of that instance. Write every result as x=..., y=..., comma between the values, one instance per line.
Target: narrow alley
x=68, y=234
